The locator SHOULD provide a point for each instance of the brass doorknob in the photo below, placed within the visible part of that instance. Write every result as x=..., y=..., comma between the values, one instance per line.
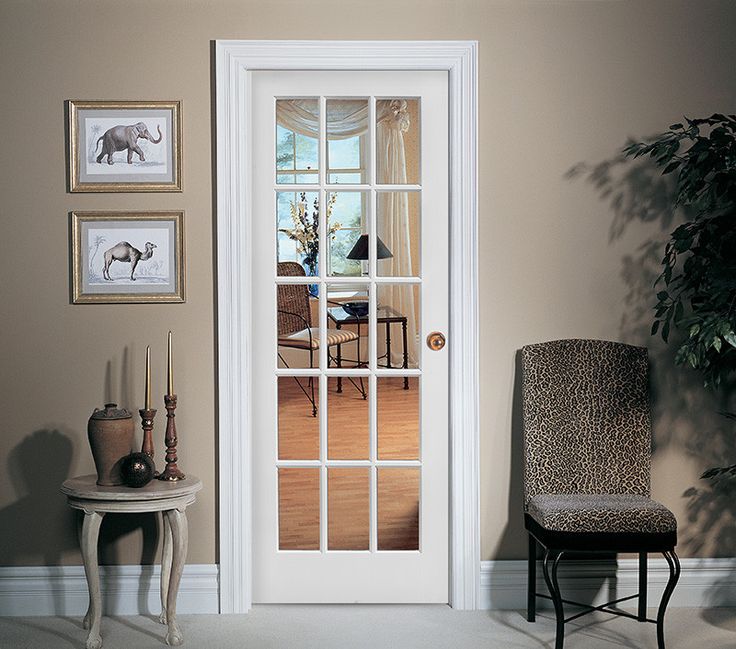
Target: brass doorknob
x=436, y=341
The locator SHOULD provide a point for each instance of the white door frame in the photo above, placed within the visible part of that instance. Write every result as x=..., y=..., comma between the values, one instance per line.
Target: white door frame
x=234, y=59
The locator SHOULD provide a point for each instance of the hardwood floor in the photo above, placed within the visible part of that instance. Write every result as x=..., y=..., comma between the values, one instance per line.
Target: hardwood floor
x=348, y=489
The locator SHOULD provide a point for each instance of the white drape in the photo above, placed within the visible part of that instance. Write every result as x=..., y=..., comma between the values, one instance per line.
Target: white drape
x=348, y=118
x=393, y=216
x=345, y=118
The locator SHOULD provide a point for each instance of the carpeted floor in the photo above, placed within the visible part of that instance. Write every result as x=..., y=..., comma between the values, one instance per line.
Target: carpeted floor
x=377, y=627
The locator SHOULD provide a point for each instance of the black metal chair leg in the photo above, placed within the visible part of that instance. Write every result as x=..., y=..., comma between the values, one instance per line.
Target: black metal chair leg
x=312, y=399
x=550, y=577
x=674, y=564
x=642, y=587
x=531, y=586
x=311, y=382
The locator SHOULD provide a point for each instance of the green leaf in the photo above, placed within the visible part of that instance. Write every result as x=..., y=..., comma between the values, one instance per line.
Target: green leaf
x=730, y=338
x=666, y=331
x=694, y=330
x=679, y=310
x=671, y=167
x=667, y=274
x=655, y=327
x=663, y=295
x=716, y=344
x=674, y=127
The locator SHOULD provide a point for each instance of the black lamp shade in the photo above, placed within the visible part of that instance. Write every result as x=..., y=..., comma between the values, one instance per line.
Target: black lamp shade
x=360, y=249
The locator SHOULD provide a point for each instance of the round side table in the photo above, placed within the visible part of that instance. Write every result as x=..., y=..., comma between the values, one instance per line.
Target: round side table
x=170, y=498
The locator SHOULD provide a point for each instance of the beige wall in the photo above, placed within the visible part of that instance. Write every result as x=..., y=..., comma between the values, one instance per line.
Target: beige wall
x=560, y=82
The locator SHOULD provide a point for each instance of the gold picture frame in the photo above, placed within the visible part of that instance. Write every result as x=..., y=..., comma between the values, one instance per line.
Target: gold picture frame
x=127, y=257
x=100, y=133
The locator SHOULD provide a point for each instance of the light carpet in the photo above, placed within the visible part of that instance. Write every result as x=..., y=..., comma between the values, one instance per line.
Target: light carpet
x=376, y=627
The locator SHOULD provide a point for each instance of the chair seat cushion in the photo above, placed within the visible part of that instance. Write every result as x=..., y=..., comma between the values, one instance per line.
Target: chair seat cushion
x=601, y=513
x=302, y=340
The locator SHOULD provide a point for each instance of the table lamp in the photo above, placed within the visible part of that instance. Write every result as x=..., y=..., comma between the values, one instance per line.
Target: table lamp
x=360, y=249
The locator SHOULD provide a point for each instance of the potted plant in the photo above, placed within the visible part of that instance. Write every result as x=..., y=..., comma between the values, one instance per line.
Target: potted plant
x=696, y=290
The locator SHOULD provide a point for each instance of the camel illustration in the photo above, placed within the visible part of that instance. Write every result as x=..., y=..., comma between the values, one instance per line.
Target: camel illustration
x=123, y=251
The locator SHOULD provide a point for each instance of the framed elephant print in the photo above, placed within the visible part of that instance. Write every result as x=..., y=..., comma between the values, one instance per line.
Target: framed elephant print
x=124, y=146
x=127, y=257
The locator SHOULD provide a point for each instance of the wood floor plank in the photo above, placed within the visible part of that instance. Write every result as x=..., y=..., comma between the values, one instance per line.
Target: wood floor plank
x=348, y=509
x=348, y=489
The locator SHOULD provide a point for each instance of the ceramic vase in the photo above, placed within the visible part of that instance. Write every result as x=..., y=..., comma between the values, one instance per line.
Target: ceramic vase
x=111, y=432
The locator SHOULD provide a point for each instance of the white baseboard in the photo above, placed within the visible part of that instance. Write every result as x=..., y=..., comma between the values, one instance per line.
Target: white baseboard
x=134, y=590
x=126, y=590
x=703, y=582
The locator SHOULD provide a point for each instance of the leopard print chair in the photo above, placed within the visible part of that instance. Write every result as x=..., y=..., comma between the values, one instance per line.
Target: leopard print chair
x=587, y=456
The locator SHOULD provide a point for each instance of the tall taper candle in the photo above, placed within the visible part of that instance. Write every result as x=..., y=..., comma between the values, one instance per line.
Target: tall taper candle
x=170, y=382
x=148, y=377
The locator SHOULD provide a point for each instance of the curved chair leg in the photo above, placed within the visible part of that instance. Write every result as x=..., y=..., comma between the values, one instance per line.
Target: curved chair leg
x=674, y=563
x=550, y=577
x=531, y=583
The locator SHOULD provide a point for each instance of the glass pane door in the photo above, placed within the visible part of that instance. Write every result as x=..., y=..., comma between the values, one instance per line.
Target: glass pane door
x=348, y=290
x=351, y=479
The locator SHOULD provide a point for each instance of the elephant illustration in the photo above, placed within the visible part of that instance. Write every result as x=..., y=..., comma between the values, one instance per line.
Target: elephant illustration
x=119, y=138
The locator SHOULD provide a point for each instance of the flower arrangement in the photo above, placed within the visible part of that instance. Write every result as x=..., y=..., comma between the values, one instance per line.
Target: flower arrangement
x=306, y=229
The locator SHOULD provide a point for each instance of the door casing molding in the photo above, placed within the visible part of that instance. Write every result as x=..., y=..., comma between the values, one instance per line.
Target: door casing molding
x=234, y=60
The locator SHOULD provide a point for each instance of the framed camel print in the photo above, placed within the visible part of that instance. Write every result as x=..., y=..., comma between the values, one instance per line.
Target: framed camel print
x=124, y=146
x=127, y=257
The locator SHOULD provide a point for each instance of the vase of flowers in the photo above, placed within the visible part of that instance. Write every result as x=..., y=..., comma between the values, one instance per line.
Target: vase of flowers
x=305, y=232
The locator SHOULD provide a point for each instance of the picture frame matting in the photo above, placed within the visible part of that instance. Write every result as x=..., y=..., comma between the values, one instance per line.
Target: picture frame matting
x=127, y=257
x=124, y=146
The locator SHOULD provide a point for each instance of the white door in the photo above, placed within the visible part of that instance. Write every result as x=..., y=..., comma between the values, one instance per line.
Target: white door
x=350, y=267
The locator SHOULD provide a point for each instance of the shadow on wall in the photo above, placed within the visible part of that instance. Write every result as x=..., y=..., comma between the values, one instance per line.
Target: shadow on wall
x=39, y=528
x=42, y=525
x=684, y=413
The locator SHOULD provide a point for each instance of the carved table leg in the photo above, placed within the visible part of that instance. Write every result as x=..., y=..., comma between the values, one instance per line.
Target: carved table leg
x=90, y=534
x=165, y=566
x=180, y=538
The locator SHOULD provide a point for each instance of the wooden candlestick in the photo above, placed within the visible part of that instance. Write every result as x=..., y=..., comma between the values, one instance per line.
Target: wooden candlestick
x=171, y=472
x=147, y=415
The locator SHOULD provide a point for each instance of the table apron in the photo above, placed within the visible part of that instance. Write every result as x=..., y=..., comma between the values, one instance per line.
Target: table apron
x=122, y=506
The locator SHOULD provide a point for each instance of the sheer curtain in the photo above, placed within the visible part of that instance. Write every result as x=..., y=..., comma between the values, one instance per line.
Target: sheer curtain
x=392, y=121
x=348, y=118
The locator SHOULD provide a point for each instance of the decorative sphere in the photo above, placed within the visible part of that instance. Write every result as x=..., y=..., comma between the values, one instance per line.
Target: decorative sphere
x=137, y=470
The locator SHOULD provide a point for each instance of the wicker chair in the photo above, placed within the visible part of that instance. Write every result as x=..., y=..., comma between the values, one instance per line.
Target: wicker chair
x=295, y=330
x=587, y=453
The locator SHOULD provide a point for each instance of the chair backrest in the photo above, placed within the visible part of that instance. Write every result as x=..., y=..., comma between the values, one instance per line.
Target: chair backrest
x=292, y=299
x=586, y=418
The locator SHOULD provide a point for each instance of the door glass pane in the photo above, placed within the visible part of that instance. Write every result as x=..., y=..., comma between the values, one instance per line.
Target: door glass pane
x=398, y=417
x=398, y=227
x=397, y=118
x=297, y=142
x=298, y=421
x=347, y=137
x=347, y=418
x=386, y=496
x=299, y=509
x=348, y=513
x=297, y=229
x=397, y=313
x=398, y=508
x=298, y=337
x=347, y=220
x=347, y=325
